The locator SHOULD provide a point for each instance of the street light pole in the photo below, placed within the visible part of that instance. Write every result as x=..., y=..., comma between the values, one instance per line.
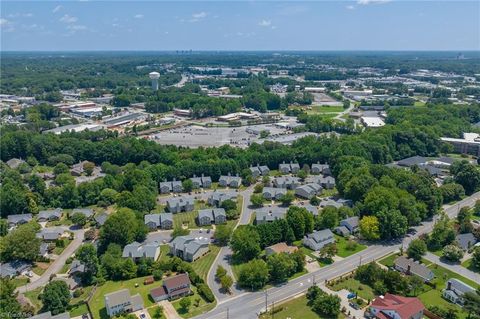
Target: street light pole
x=266, y=301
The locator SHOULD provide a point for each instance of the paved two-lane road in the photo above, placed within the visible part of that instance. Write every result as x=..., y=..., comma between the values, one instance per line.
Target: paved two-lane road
x=248, y=305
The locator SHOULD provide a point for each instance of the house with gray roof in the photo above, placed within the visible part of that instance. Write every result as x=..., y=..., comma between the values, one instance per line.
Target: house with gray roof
x=48, y=315
x=76, y=268
x=318, y=239
x=18, y=219
x=49, y=215
x=320, y=169
x=330, y=202
x=14, y=163
x=201, y=182
x=50, y=234
x=456, y=290
x=218, y=197
x=230, y=181
x=274, y=193
x=180, y=204
x=121, y=301
x=312, y=209
x=101, y=218
x=137, y=250
x=166, y=221
x=412, y=267
x=163, y=220
x=259, y=170
x=211, y=216
x=289, y=182
x=308, y=190
x=286, y=168
x=351, y=223
x=87, y=212
x=13, y=268
x=269, y=214
x=412, y=161
x=327, y=182
x=43, y=250
x=466, y=241
x=171, y=186
x=189, y=248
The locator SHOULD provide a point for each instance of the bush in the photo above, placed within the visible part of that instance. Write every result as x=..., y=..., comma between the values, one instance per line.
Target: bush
x=157, y=274
x=205, y=292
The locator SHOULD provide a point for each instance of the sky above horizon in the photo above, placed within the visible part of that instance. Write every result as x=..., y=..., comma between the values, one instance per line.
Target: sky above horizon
x=240, y=25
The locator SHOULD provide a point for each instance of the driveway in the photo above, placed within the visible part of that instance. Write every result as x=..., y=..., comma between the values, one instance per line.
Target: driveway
x=168, y=310
x=455, y=267
x=57, y=265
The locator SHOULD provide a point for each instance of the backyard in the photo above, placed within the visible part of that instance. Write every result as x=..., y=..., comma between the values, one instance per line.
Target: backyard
x=193, y=311
x=347, y=248
x=202, y=265
x=294, y=309
x=353, y=285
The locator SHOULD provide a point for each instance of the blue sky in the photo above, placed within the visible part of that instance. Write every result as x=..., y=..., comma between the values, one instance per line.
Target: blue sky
x=240, y=25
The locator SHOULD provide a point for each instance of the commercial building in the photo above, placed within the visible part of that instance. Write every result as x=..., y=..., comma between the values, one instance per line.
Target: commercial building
x=469, y=144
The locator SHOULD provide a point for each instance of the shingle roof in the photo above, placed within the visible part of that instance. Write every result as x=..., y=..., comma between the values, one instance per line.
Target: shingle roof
x=16, y=218
x=460, y=286
x=406, y=307
x=410, y=161
x=415, y=267
x=176, y=281
x=465, y=241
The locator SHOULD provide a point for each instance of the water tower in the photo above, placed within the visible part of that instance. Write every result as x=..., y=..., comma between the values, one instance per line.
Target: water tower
x=154, y=76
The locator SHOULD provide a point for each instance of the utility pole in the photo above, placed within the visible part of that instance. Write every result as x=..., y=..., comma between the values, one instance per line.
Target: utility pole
x=227, y=313
x=273, y=309
x=266, y=301
x=313, y=280
x=360, y=260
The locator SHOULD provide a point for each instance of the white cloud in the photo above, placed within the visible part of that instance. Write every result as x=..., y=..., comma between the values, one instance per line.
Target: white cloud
x=68, y=19
x=198, y=16
x=350, y=7
x=4, y=22
x=138, y=16
x=23, y=15
x=56, y=9
x=7, y=25
x=265, y=23
x=77, y=27
x=367, y=2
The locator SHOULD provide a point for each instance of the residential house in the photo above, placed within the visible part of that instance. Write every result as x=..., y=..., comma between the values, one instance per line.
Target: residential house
x=43, y=250
x=77, y=169
x=14, y=163
x=13, y=268
x=291, y=167
x=201, y=182
x=87, y=212
x=50, y=234
x=230, y=181
x=166, y=221
x=189, y=248
x=172, y=288
x=18, y=219
x=330, y=202
x=455, y=291
x=308, y=190
x=259, y=170
x=412, y=161
x=49, y=215
x=218, y=197
x=312, y=209
x=152, y=221
x=269, y=214
x=412, y=267
x=351, y=224
x=163, y=221
x=120, y=301
x=280, y=248
x=396, y=307
x=101, y=218
x=289, y=182
x=320, y=169
x=146, y=250
x=180, y=204
x=212, y=216
x=76, y=268
x=48, y=315
x=275, y=193
x=171, y=186
x=318, y=239
x=466, y=241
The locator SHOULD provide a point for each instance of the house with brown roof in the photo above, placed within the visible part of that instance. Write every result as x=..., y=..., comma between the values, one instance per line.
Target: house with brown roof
x=280, y=248
x=172, y=288
x=396, y=307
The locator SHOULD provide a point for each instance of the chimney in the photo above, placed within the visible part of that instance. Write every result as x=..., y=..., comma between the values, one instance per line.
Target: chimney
x=409, y=267
x=449, y=285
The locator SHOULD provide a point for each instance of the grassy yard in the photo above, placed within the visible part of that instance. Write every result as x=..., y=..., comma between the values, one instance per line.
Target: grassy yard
x=58, y=250
x=97, y=302
x=353, y=285
x=189, y=218
x=153, y=310
x=19, y=281
x=202, y=265
x=40, y=268
x=388, y=261
x=469, y=265
x=443, y=274
x=34, y=297
x=203, y=306
x=343, y=248
x=294, y=309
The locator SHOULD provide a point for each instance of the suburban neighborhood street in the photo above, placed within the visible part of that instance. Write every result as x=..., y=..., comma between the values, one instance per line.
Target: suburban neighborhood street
x=57, y=265
x=455, y=267
x=248, y=305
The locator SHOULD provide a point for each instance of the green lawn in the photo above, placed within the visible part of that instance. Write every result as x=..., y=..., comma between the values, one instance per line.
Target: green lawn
x=434, y=297
x=294, y=309
x=19, y=281
x=202, y=265
x=419, y=103
x=469, y=265
x=388, y=261
x=193, y=311
x=58, y=250
x=342, y=247
x=78, y=310
x=153, y=310
x=189, y=218
x=33, y=296
x=40, y=268
x=327, y=109
x=97, y=302
x=353, y=285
